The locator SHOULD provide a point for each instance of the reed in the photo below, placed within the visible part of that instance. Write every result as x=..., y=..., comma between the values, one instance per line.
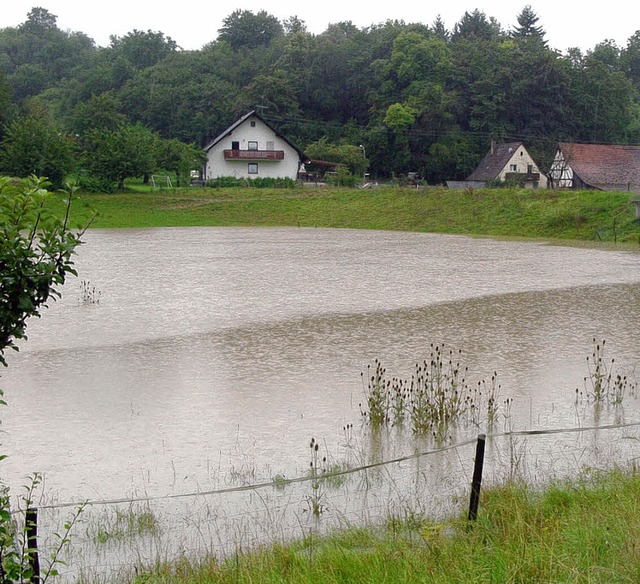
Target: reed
x=434, y=398
x=604, y=382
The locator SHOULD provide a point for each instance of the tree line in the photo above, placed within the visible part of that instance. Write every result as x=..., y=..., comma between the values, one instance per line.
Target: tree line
x=408, y=97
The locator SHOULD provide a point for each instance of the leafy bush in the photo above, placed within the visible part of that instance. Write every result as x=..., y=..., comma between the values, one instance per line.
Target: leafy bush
x=343, y=178
x=258, y=183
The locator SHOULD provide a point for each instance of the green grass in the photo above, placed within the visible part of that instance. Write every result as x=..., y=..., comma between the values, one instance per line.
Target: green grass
x=585, y=532
x=577, y=215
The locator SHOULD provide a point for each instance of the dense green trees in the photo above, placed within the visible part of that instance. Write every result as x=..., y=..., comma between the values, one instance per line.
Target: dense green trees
x=33, y=145
x=111, y=156
x=419, y=98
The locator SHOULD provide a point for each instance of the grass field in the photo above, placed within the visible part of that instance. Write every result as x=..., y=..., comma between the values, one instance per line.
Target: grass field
x=577, y=215
x=583, y=532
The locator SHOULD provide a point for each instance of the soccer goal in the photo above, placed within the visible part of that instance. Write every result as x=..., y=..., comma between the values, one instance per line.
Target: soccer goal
x=159, y=181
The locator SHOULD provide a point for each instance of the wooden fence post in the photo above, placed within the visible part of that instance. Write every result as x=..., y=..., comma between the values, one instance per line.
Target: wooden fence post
x=31, y=529
x=477, y=478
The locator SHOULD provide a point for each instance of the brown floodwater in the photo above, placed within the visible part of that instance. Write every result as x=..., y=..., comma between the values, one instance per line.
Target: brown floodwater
x=198, y=354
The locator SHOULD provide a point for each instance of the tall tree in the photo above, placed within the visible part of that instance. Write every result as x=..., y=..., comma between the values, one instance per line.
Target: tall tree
x=111, y=156
x=5, y=103
x=143, y=49
x=476, y=25
x=178, y=157
x=527, y=26
x=33, y=146
x=244, y=29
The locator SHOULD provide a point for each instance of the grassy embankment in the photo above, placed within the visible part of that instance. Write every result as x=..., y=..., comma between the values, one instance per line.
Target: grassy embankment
x=582, y=215
x=587, y=532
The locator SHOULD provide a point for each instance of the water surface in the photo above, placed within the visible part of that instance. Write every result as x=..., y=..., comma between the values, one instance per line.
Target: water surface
x=214, y=354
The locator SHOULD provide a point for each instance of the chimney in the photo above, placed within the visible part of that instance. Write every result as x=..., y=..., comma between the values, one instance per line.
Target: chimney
x=493, y=147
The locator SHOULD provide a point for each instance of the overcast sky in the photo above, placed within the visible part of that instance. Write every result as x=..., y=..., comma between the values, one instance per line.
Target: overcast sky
x=193, y=23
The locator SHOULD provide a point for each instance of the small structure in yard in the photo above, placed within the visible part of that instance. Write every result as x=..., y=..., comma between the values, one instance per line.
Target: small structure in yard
x=604, y=167
x=509, y=162
x=252, y=148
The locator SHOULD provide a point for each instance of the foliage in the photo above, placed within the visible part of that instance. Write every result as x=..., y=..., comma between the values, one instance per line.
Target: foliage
x=35, y=259
x=32, y=145
x=422, y=99
x=343, y=178
x=349, y=155
x=115, y=155
x=38, y=55
x=17, y=557
x=36, y=251
x=180, y=158
x=243, y=28
x=257, y=183
x=143, y=49
x=528, y=27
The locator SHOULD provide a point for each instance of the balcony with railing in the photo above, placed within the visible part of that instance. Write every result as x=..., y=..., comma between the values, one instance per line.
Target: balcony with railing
x=523, y=176
x=254, y=154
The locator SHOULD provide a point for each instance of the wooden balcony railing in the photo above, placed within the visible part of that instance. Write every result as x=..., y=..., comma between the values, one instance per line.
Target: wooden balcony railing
x=254, y=154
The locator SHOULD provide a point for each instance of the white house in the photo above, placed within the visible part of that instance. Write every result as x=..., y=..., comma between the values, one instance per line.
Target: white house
x=251, y=148
x=509, y=161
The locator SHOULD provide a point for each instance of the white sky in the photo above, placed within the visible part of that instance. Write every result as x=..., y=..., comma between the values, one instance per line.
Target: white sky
x=193, y=23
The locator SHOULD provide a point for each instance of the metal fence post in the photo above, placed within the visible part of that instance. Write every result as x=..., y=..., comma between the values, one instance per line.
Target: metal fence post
x=477, y=478
x=31, y=529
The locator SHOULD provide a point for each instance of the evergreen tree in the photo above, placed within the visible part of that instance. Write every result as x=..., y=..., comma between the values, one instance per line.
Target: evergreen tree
x=527, y=29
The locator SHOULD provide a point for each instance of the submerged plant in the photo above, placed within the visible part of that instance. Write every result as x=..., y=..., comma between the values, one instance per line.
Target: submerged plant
x=89, y=294
x=602, y=383
x=436, y=396
x=317, y=469
x=127, y=524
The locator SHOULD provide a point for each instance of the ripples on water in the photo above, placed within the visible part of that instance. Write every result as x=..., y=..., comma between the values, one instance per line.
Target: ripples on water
x=217, y=353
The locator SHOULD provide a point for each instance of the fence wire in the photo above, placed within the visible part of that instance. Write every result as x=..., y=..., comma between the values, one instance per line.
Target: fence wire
x=114, y=538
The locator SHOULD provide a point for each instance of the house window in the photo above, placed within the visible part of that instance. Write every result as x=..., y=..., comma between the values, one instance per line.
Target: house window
x=529, y=168
x=253, y=124
x=252, y=145
x=235, y=145
x=253, y=168
x=270, y=145
x=513, y=167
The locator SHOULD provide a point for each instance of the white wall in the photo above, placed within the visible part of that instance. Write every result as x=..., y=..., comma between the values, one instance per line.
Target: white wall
x=561, y=173
x=522, y=160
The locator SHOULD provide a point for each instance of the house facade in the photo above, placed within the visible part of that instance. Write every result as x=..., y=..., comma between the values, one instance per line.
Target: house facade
x=251, y=148
x=508, y=162
x=605, y=167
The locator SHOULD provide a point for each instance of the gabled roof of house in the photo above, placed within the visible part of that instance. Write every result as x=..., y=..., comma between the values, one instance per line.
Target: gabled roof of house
x=494, y=162
x=604, y=166
x=241, y=121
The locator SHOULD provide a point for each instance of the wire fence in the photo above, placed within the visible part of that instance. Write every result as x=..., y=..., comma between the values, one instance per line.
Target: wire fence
x=112, y=539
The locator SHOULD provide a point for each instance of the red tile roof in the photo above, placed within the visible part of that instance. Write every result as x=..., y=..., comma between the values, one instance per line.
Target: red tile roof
x=604, y=166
